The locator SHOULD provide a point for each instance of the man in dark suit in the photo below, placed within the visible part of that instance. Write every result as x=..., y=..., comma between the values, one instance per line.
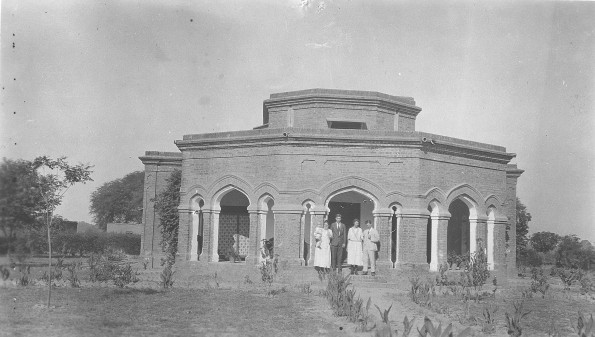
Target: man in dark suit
x=338, y=242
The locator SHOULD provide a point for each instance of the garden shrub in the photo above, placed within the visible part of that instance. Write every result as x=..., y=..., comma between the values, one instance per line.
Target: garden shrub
x=514, y=321
x=569, y=276
x=428, y=329
x=84, y=244
x=342, y=300
x=110, y=267
x=476, y=271
x=539, y=281
x=421, y=292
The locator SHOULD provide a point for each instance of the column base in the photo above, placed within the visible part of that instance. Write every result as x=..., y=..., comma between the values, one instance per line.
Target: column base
x=384, y=265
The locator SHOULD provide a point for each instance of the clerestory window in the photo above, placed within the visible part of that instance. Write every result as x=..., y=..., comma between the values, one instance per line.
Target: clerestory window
x=346, y=124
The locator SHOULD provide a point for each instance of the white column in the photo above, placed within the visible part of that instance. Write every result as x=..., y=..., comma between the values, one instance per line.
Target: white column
x=472, y=235
x=262, y=220
x=490, y=244
x=434, y=244
x=215, y=236
x=398, y=239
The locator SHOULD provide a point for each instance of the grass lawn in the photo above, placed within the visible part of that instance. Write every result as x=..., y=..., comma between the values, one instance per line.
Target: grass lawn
x=147, y=312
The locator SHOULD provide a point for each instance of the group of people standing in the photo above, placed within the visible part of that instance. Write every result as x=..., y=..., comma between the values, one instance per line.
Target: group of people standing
x=362, y=246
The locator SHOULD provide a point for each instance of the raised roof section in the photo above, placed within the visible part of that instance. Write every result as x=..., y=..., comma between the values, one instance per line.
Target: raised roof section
x=333, y=108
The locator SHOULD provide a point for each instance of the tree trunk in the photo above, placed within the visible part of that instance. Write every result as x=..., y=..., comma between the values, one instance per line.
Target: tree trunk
x=49, y=224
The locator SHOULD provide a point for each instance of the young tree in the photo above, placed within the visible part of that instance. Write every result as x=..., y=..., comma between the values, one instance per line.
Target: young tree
x=522, y=227
x=54, y=178
x=544, y=241
x=119, y=200
x=166, y=206
x=18, y=200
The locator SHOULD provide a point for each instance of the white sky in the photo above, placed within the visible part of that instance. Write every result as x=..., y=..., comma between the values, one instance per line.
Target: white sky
x=101, y=82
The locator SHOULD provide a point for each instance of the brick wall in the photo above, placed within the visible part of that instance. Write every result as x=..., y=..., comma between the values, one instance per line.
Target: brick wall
x=158, y=167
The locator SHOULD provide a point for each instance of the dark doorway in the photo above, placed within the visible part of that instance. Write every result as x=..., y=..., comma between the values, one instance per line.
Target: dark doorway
x=458, y=228
x=234, y=227
x=349, y=211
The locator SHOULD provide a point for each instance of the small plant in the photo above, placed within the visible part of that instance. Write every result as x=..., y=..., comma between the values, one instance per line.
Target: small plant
x=364, y=318
x=167, y=277
x=305, y=288
x=124, y=275
x=268, y=270
x=25, y=275
x=275, y=292
x=145, y=264
x=428, y=329
x=569, y=276
x=422, y=292
x=457, y=261
x=539, y=281
x=5, y=272
x=489, y=318
x=587, y=285
x=442, y=278
x=266, y=251
x=247, y=280
x=72, y=276
x=385, y=329
x=513, y=322
x=407, y=326
x=526, y=293
x=584, y=327
x=476, y=271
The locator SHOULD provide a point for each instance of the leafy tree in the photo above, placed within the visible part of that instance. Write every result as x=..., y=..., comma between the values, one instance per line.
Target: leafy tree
x=544, y=241
x=119, y=200
x=19, y=201
x=523, y=217
x=572, y=253
x=54, y=178
x=166, y=206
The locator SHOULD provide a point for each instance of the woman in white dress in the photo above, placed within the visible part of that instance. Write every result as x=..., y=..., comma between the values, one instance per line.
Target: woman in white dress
x=355, y=238
x=322, y=254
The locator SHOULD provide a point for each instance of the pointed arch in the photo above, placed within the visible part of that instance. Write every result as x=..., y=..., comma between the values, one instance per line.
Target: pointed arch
x=358, y=184
x=227, y=182
x=435, y=193
x=191, y=192
x=470, y=196
x=493, y=200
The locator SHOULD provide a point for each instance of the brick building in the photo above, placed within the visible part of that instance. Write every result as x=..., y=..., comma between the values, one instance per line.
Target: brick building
x=320, y=152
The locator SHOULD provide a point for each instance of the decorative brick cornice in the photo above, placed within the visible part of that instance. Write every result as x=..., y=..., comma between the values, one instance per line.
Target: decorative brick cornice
x=162, y=158
x=398, y=104
x=513, y=172
x=345, y=138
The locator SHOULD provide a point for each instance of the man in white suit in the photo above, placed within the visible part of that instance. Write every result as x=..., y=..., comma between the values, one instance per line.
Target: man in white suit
x=371, y=239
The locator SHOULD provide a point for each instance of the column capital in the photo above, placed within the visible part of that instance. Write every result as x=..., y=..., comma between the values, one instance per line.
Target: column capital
x=185, y=209
x=440, y=217
x=501, y=220
x=415, y=213
x=479, y=219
